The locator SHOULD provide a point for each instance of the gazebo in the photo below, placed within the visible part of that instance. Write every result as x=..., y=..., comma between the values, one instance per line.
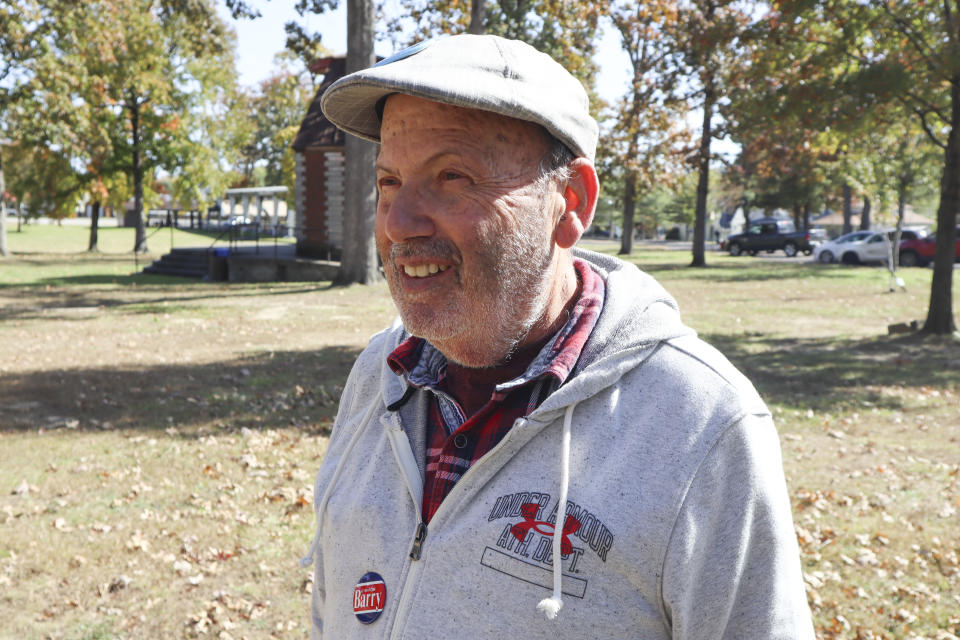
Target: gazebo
x=267, y=202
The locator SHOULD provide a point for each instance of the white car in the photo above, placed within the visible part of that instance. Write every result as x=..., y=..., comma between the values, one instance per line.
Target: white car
x=854, y=248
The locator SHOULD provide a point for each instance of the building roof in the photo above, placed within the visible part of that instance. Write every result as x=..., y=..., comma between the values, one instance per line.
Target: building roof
x=315, y=129
x=835, y=218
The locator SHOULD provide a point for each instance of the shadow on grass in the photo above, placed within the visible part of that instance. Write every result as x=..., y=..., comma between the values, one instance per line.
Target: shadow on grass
x=756, y=271
x=285, y=389
x=136, y=279
x=49, y=303
x=301, y=389
x=828, y=374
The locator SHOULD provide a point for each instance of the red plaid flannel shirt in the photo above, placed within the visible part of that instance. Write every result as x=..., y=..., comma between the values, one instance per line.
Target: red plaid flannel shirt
x=456, y=441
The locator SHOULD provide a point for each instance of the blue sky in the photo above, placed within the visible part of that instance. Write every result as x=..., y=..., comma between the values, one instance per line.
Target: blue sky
x=259, y=40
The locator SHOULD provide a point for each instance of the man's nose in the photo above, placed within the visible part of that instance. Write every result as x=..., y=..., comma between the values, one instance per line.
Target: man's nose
x=408, y=215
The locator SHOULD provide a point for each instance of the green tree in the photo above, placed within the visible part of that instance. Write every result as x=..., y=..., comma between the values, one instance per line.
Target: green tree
x=646, y=139
x=710, y=38
x=210, y=151
x=148, y=70
x=565, y=30
x=278, y=105
x=122, y=100
x=68, y=151
x=303, y=48
x=924, y=51
x=908, y=54
x=22, y=27
x=43, y=179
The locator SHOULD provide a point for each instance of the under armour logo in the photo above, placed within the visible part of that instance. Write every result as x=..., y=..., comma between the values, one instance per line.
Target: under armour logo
x=529, y=512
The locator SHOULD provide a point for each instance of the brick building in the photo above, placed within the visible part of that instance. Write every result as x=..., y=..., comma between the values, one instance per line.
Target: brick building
x=320, y=181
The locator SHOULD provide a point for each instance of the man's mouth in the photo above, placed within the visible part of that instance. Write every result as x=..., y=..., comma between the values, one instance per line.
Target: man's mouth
x=423, y=270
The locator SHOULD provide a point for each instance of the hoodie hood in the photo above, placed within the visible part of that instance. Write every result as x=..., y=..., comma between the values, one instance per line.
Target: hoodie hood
x=637, y=316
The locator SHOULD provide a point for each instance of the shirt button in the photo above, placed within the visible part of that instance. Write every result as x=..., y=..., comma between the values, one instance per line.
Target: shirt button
x=460, y=441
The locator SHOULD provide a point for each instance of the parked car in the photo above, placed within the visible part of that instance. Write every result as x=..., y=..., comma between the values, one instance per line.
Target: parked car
x=856, y=248
x=919, y=252
x=769, y=234
x=832, y=250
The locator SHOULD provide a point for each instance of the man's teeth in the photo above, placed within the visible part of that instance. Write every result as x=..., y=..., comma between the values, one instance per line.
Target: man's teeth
x=423, y=270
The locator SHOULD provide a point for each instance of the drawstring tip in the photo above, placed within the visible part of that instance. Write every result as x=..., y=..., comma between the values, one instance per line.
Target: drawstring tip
x=306, y=561
x=550, y=607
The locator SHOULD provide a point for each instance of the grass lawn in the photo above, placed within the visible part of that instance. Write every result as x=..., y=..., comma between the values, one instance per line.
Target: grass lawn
x=158, y=438
x=39, y=251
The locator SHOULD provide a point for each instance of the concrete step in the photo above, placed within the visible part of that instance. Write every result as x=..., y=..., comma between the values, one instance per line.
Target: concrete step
x=188, y=263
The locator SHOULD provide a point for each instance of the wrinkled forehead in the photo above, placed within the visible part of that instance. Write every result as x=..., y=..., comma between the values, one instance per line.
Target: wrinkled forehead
x=407, y=119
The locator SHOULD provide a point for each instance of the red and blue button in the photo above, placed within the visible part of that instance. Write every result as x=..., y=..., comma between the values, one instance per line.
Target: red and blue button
x=369, y=597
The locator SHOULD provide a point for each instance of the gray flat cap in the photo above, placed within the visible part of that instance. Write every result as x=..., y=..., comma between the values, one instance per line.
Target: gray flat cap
x=485, y=72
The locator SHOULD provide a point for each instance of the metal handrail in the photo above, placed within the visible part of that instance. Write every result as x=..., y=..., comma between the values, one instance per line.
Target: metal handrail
x=234, y=234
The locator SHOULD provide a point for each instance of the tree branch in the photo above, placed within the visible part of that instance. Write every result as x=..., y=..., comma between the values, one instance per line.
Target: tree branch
x=928, y=106
x=914, y=39
x=927, y=129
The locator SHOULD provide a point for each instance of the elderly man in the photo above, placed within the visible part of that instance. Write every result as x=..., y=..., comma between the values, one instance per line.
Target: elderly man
x=539, y=448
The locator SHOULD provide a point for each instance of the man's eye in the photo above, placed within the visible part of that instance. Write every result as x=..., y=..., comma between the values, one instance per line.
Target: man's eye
x=387, y=182
x=451, y=175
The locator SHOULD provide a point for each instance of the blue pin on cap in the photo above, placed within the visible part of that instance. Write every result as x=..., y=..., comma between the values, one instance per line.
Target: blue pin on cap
x=406, y=53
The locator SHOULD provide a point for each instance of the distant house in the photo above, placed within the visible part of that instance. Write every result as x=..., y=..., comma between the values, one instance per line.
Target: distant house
x=319, y=161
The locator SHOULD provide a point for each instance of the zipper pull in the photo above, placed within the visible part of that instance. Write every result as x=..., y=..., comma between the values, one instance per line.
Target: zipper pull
x=418, y=540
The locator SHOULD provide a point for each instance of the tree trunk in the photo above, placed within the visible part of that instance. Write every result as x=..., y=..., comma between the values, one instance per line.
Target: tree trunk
x=4, y=249
x=940, y=314
x=629, y=213
x=806, y=217
x=865, y=214
x=140, y=242
x=797, y=212
x=703, y=186
x=901, y=210
x=94, y=226
x=847, y=208
x=358, y=262
x=478, y=17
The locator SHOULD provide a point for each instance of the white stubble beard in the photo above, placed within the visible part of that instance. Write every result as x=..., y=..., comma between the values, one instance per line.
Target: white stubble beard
x=484, y=324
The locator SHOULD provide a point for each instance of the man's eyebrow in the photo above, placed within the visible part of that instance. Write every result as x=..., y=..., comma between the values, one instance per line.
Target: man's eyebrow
x=382, y=166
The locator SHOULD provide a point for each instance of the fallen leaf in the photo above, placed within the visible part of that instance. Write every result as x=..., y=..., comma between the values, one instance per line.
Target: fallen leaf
x=118, y=583
x=138, y=542
x=61, y=525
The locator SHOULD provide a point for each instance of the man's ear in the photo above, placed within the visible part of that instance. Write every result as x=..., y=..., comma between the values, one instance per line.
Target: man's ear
x=580, y=202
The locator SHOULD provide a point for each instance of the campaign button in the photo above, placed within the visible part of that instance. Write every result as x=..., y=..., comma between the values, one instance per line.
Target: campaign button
x=369, y=597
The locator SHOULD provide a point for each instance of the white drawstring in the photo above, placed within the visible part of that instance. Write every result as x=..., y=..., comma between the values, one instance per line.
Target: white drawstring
x=307, y=560
x=551, y=606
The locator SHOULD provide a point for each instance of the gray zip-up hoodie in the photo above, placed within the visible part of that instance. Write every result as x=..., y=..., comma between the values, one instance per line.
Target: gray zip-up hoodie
x=677, y=521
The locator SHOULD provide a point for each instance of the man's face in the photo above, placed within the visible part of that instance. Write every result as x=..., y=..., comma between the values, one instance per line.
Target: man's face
x=464, y=232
